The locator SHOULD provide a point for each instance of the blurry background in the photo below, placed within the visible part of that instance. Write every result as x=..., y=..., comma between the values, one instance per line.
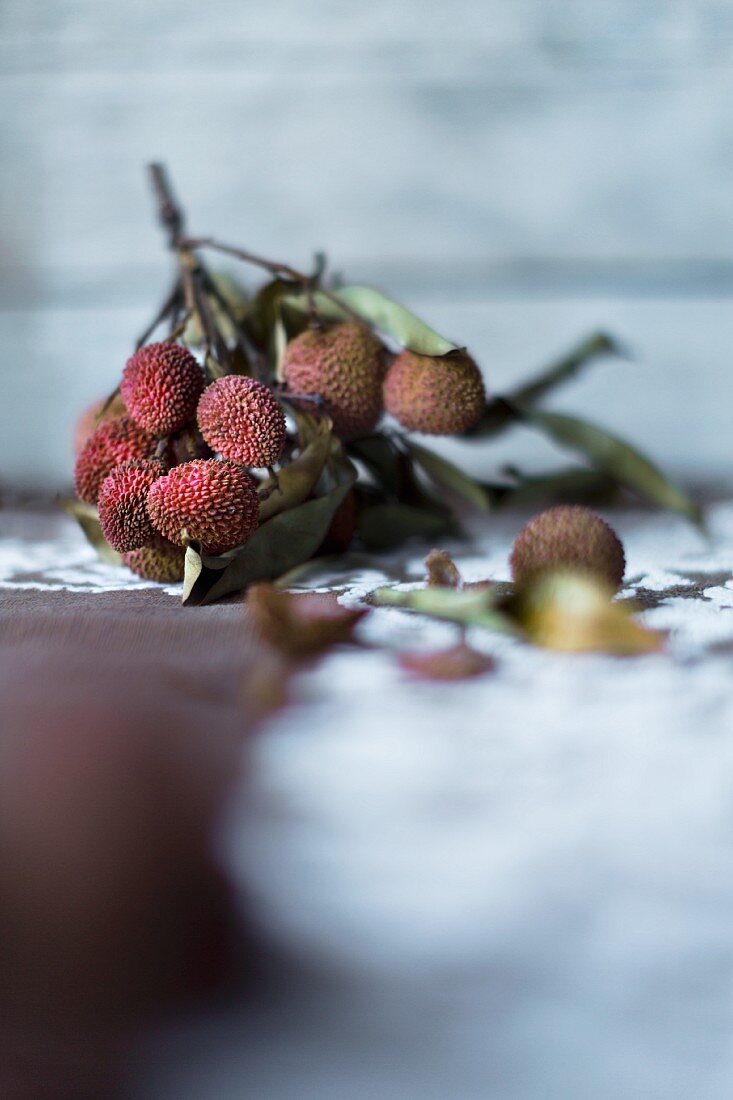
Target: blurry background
x=519, y=171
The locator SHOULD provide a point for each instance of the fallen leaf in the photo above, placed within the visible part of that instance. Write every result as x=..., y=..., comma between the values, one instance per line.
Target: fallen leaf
x=460, y=662
x=300, y=623
x=573, y=613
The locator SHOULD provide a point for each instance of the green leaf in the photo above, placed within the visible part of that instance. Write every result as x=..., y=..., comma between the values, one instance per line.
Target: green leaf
x=467, y=607
x=236, y=299
x=576, y=485
x=383, y=458
x=281, y=543
x=88, y=519
x=496, y=418
x=383, y=526
x=379, y=311
x=597, y=345
x=265, y=310
x=500, y=413
x=611, y=455
x=298, y=479
x=448, y=476
x=393, y=470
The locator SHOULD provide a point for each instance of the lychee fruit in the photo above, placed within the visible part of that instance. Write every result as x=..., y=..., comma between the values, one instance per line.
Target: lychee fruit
x=161, y=385
x=568, y=537
x=341, y=531
x=123, y=512
x=214, y=502
x=98, y=413
x=162, y=561
x=113, y=442
x=436, y=395
x=242, y=420
x=343, y=366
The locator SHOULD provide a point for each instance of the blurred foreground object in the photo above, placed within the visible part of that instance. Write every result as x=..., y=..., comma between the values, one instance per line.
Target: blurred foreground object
x=120, y=741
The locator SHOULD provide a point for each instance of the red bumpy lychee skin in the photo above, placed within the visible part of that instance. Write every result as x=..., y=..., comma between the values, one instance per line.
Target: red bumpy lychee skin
x=112, y=443
x=343, y=366
x=214, y=502
x=568, y=537
x=161, y=385
x=98, y=413
x=436, y=395
x=242, y=420
x=162, y=561
x=123, y=512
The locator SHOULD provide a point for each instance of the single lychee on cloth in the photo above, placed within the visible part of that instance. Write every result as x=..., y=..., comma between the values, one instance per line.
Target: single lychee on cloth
x=343, y=366
x=568, y=537
x=123, y=512
x=162, y=561
x=214, y=502
x=113, y=442
x=161, y=385
x=437, y=395
x=242, y=420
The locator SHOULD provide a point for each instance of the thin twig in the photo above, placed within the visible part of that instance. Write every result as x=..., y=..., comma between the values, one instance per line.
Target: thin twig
x=308, y=282
x=167, y=309
x=170, y=214
x=178, y=329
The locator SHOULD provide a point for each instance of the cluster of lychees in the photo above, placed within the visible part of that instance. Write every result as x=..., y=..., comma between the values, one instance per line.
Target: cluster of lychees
x=169, y=462
x=345, y=364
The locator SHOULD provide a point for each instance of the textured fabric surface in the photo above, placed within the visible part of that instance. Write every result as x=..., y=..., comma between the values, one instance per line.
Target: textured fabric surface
x=516, y=887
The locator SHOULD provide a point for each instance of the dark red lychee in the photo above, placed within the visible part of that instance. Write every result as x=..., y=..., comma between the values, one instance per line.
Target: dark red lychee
x=214, y=502
x=161, y=385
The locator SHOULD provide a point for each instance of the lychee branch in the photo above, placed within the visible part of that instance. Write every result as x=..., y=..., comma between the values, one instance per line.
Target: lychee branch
x=310, y=283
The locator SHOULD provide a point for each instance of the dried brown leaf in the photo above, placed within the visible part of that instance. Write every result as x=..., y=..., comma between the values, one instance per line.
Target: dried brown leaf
x=460, y=662
x=300, y=623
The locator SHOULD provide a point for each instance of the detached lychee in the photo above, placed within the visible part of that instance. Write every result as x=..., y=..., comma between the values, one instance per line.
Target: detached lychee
x=343, y=366
x=568, y=537
x=98, y=413
x=123, y=512
x=112, y=443
x=161, y=385
x=162, y=562
x=242, y=420
x=214, y=502
x=436, y=395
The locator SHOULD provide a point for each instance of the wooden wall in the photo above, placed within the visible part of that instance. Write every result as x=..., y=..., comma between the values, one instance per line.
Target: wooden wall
x=519, y=170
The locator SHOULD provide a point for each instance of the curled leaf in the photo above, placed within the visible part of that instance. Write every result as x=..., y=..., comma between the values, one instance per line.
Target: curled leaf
x=613, y=456
x=460, y=662
x=446, y=475
x=475, y=606
x=576, y=485
x=383, y=526
x=265, y=310
x=299, y=624
x=442, y=570
x=376, y=309
x=572, y=613
x=234, y=297
x=595, y=346
x=297, y=479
